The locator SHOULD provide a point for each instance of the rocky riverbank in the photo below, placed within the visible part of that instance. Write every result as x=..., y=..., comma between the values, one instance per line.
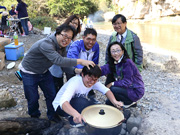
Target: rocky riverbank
x=159, y=108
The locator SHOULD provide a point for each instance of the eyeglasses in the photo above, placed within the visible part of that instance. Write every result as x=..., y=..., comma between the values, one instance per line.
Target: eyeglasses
x=74, y=23
x=91, y=79
x=91, y=39
x=115, y=51
x=65, y=36
x=118, y=23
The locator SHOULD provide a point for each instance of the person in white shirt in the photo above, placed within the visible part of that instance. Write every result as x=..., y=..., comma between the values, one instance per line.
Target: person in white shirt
x=72, y=97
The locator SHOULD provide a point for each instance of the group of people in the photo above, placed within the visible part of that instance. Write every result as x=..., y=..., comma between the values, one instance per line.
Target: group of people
x=58, y=55
x=20, y=12
x=87, y=22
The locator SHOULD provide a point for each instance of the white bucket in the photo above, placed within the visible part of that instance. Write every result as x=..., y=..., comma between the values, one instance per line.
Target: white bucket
x=47, y=30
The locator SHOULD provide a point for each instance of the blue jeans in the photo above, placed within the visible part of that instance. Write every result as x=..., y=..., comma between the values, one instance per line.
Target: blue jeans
x=120, y=95
x=78, y=103
x=24, y=23
x=46, y=83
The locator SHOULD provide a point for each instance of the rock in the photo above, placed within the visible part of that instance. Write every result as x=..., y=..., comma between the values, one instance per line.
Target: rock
x=172, y=65
x=17, y=126
x=133, y=131
x=53, y=129
x=123, y=125
x=141, y=10
x=108, y=16
x=97, y=17
x=133, y=122
x=77, y=131
x=123, y=132
x=6, y=99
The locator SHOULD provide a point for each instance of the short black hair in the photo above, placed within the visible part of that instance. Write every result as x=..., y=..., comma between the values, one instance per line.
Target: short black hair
x=123, y=18
x=65, y=27
x=90, y=31
x=93, y=71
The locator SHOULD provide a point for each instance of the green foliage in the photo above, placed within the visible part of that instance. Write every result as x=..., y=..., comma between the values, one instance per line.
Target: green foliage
x=8, y=3
x=59, y=9
x=69, y=7
x=43, y=21
x=105, y=5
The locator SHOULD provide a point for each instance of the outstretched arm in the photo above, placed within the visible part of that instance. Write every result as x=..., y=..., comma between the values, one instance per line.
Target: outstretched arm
x=77, y=117
x=113, y=100
x=85, y=62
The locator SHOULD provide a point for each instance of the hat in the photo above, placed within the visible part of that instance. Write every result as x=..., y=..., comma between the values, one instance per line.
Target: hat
x=12, y=5
x=4, y=13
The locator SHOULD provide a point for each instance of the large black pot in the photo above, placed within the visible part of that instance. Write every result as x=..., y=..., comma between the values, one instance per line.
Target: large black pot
x=102, y=120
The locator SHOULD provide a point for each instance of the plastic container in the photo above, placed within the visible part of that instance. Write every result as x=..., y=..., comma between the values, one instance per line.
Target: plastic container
x=15, y=38
x=14, y=52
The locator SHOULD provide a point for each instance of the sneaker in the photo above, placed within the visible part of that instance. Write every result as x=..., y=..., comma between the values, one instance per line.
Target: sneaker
x=95, y=101
x=72, y=124
x=133, y=104
x=56, y=119
x=6, y=36
x=77, y=125
x=23, y=35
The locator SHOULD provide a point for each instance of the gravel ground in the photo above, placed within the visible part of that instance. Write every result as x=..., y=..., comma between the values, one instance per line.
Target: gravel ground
x=159, y=108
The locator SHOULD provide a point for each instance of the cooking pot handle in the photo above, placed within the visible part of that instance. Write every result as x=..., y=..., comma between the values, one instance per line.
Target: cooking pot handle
x=121, y=121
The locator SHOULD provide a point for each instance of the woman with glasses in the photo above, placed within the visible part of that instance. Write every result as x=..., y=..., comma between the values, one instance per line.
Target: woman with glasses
x=127, y=84
x=57, y=71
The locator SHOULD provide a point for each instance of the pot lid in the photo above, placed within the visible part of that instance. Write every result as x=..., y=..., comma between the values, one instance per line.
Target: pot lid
x=102, y=116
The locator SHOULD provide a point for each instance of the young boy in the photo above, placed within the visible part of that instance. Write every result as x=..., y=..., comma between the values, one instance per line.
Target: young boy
x=71, y=98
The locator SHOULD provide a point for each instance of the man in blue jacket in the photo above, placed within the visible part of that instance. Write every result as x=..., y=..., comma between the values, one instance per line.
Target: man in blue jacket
x=87, y=49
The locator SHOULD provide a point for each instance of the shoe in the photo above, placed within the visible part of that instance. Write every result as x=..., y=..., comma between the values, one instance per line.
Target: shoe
x=95, y=101
x=72, y=124
x=77, y=125
x=23, y=35
x=56, y=119
x=133, y=104
x=6, y=36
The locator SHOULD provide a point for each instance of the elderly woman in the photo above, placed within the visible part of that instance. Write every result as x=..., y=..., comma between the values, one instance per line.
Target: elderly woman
x=127, y=84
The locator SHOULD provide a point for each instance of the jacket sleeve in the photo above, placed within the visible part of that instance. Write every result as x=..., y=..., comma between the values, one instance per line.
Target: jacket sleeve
x=127, y=72
x=49, y=52
x=95, y=58
x=105, y=70
x=138, y=53
x=74, y=51
x=69, y=70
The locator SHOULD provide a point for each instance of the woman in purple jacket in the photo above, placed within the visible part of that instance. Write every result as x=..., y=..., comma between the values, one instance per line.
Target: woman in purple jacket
x=126, y=83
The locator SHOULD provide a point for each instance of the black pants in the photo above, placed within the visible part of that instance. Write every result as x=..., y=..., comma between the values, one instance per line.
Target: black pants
x=58, y=82
x=20, y=27
x=119, y=93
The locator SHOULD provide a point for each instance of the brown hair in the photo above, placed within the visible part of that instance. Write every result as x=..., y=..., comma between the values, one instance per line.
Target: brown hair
x=72, y=17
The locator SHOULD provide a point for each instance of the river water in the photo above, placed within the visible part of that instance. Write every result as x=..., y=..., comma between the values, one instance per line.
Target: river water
x=158, y=35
